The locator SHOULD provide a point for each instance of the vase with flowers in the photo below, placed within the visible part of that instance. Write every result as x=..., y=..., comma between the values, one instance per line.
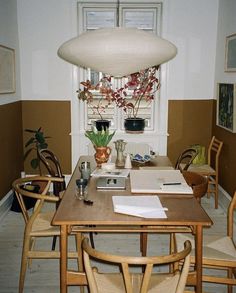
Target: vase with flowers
x=100, y=141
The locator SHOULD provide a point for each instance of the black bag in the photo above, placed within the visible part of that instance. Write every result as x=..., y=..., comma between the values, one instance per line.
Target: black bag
x=29, y=202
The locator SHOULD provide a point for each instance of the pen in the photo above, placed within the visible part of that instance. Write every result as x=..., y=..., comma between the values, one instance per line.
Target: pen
x=172, y=183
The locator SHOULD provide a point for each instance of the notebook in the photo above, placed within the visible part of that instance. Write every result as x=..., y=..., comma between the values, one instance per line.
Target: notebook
x=159, y=181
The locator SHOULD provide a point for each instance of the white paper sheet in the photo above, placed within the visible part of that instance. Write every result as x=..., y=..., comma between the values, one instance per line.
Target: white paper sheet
x=114, y=173
x=146, y=206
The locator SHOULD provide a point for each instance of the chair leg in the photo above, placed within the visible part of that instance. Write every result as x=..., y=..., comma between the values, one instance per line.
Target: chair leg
x=54, y=240
x=175, y=266
x=79, y=237
x=216, y=192
x=143, y=243
x=24, y=259
x=230, y=276
x=91, y=239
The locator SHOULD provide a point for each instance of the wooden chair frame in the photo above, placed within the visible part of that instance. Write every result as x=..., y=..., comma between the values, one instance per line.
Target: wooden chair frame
x=37, y=222
x=222, y=263
x=211, y=169
x=185, y=159
x=51, y=162
x=126, y=261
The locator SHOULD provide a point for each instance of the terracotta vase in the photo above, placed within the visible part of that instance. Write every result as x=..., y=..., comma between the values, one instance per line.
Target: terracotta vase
x=102, y=155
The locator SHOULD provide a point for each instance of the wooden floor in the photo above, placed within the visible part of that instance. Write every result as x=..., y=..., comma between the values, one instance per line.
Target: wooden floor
x=43, y=276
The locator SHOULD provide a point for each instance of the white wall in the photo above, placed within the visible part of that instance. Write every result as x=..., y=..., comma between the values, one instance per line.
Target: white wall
x=44, y=25
x=226, y=27
x=192, y=26
x=9, y=38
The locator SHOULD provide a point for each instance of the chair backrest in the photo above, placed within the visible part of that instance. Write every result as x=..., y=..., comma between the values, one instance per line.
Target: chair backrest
x=51, y=162
x=230, y=222
x=19, y=186
x=177, y=283
x=214, y=151
x=185, y=159
x=198, y=183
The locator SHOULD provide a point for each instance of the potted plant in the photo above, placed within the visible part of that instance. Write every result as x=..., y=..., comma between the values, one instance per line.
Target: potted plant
x=98, y=106
x=35, y=143
x=100, y=141
x=141, y=86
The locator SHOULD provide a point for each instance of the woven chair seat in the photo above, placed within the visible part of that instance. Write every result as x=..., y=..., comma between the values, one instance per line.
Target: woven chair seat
x=114, y=283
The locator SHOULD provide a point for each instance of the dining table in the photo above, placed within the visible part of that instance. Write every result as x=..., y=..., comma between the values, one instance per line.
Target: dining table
x=184, y=214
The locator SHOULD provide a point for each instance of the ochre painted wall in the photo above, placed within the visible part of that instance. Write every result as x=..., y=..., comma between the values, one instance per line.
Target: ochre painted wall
x=189, y=122
x=192, y=122
x=227, y=158
x=11, y=150
x=55, y=119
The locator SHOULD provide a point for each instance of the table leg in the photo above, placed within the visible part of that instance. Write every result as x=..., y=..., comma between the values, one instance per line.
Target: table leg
x=63, y=259
x=198, y=251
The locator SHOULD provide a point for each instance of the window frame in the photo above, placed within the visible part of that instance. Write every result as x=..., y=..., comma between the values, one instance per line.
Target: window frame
x=119, y=115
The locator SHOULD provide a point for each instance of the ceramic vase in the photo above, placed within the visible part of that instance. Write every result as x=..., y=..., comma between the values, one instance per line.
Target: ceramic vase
x=134, y=125
x=102, y=155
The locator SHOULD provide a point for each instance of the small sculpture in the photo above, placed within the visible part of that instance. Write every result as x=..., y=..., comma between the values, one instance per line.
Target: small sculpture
x=128, y=164
x=120, y=147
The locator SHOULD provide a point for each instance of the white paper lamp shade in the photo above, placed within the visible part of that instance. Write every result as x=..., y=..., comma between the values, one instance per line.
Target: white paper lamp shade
x=117, y=51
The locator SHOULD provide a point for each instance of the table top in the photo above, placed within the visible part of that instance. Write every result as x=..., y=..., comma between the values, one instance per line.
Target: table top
x=182, y=209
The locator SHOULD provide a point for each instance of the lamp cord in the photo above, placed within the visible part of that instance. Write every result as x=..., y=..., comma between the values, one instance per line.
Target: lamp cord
x=117, y=13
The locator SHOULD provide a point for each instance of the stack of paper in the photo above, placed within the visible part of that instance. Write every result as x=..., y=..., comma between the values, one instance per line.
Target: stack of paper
x=147, y=206
x=159, y=181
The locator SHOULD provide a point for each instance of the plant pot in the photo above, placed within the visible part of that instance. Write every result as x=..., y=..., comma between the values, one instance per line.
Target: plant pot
x=102, y=124
x=102, y=155
x=134, y=125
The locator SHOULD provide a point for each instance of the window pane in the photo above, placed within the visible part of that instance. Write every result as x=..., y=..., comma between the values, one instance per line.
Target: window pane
x=99, y=19
x=139, y=19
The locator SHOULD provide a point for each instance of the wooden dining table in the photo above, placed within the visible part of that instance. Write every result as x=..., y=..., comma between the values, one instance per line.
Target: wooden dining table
x=74, y=216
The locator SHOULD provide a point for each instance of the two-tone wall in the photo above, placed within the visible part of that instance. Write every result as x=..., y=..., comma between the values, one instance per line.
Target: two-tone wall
x=46, y=85
x=11, y=160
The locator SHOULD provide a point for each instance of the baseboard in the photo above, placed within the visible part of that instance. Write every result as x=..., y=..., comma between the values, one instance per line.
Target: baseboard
x=224, y=199
x=5, y=204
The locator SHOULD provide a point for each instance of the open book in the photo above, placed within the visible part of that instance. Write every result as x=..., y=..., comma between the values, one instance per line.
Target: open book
x=147, y=206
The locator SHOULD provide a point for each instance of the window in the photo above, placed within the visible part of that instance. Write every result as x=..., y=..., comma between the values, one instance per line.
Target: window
x=92, y=16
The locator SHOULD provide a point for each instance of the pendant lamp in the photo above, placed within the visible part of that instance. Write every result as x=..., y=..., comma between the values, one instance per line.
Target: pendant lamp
x=117, y=51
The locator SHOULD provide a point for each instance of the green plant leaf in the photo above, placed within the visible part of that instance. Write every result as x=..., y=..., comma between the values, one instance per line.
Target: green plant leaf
x=30, y=141
x=31, y=130
x=34, y=163
x=99, y=138
x=27, y=153
x=39, y=137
